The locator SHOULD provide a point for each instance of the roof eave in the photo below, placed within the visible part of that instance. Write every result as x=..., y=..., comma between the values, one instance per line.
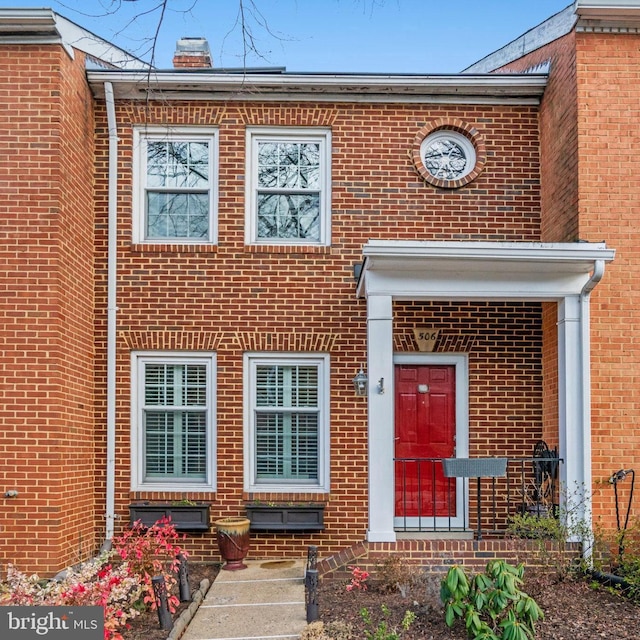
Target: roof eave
x=518, y=88
x=44, y=26
x=565, y=267
x=608, y=15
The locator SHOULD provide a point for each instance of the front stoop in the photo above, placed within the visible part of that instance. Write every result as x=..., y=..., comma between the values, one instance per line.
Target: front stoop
x=437, y=555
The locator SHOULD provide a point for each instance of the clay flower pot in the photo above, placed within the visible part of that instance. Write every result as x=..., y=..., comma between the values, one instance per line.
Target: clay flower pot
x=232, y=535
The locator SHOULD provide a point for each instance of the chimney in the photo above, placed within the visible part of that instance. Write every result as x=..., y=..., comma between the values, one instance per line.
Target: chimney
x=192, y=53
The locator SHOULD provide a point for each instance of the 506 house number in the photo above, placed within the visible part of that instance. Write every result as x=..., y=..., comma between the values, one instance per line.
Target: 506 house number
x=426, y=338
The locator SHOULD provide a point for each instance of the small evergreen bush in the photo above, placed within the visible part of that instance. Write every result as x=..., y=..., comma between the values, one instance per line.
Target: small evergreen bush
x=491, y=604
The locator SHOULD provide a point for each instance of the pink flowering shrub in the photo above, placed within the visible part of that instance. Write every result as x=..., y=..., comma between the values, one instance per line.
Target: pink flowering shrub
x=119, y=581
x=359, y=579
x=95, y=583
x=152, y=551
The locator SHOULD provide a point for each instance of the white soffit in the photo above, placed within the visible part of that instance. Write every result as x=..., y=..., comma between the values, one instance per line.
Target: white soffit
x=607, y=8
x=478, y=270
x=318, y=87
x=617, y=16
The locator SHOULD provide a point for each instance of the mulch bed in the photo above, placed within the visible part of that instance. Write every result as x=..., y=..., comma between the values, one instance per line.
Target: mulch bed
x=574, y=609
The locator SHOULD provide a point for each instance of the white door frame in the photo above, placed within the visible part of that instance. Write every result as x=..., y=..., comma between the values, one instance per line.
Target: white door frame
x=461, y=364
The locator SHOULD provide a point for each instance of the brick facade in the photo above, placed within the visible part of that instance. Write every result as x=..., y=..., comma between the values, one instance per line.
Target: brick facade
x=303, y=300
x=47, y=373
x=541, y=179
x=589, y=193
x=609, y=195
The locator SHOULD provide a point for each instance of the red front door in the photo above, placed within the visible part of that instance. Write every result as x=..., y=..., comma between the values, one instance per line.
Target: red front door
x=424, y=429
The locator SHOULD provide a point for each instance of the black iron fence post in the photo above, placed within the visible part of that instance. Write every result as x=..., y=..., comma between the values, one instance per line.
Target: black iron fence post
x=183, y=578
x=312, y=557
x=162, y=602
x=311, y=594
x=311, y=584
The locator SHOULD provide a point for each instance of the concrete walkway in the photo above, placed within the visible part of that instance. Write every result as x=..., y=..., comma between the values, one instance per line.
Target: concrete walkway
x=265, y=601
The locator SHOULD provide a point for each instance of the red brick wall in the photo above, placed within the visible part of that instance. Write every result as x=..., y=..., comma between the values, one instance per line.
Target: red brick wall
x=559, y=197
x=437, y=556
x=587, y=142
x=558, y=139
x=608, y=96
x=233, y=298
x=46, y=326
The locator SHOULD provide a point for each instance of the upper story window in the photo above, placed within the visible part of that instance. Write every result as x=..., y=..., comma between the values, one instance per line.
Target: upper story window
x=288, y=186
x=175, y=181
x=448, y=155
x=173, y=443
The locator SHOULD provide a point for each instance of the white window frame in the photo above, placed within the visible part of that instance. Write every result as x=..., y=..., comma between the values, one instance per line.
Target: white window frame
x=457, y=138
x=138, y=362
x=140, y=137
x=255, y=135
x=251, y=362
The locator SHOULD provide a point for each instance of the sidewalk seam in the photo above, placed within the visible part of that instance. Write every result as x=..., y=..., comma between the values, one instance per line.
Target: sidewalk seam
x=260, y=580
x=252, y=604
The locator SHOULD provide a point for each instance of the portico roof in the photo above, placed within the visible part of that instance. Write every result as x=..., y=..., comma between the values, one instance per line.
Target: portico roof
x=433, y=270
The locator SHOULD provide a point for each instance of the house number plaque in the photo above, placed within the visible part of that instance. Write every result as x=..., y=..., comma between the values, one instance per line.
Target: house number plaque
x=426, y=338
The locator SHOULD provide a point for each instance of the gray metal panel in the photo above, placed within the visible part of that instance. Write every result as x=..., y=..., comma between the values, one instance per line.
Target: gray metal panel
x=474, y=467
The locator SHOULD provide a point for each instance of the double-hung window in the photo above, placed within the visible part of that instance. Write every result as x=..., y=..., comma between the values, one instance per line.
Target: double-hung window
x=287, y=433
x=288, y=186
x=175, y=181
x=173, y=420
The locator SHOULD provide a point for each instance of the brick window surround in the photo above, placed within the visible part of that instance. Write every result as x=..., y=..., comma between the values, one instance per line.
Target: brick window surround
x=458, y=126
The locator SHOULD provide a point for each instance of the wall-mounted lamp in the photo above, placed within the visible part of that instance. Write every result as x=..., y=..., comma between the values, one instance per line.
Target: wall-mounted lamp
x=381, y=386
x=360, y=383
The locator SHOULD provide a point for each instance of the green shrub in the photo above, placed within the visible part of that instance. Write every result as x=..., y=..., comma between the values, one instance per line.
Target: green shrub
x=383, y=631
x=619, y=553
x=536, y=527
x=491, y=604
x=551, y=528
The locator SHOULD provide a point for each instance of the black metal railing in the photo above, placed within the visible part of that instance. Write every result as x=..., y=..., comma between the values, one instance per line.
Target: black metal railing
x=426, y=500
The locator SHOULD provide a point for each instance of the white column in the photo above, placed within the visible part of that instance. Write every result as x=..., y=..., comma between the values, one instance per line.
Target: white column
x=574, y=398
x=381, y=425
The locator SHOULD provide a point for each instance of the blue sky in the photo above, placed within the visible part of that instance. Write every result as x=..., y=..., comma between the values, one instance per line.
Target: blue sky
x=373, y=36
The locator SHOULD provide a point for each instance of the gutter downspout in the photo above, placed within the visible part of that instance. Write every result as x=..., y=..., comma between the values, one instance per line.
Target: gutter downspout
x=111, y=316
x=596, y=276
